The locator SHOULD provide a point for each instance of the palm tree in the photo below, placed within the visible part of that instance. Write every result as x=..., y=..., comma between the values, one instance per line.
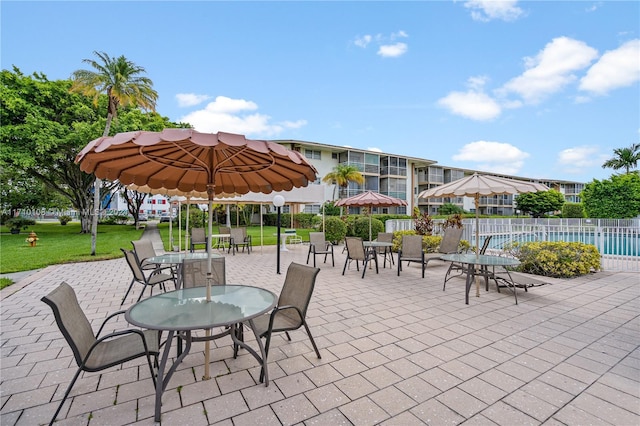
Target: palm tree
x=123, y=83
x=342, y=175
x=625, y=158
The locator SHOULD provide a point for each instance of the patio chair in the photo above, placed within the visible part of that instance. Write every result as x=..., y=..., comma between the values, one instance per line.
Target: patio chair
x=93, y=352
x=460, y=267
x=194, y=272
x=411, y=251
x=386, y=252
x=144, y=250
x=291, y=311
x=198, y=237
x=223, y=241
x=357, y=252
x=139, y=276
x=239, y=238
x=319, y=245
x=450, y=244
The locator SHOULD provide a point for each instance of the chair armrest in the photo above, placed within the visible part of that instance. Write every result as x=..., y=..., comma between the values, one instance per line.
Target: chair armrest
x=277, y=309
x=107, y=319
x=116, y=334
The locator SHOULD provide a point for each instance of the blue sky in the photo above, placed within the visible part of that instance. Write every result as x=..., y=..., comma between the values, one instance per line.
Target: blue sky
x=536, y=89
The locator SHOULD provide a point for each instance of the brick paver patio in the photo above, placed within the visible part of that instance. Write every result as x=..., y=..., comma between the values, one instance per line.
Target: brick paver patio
x=395, y=351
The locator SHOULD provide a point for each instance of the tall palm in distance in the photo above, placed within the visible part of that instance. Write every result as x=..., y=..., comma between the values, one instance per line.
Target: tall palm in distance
x=625, y=158
x=342, y=175
x=124, y=84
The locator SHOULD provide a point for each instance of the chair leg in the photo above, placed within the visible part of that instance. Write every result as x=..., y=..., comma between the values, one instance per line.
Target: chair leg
x=313, y=343
x=127, y=293
x=309, y=254
x=66, y=394
x=345, y=265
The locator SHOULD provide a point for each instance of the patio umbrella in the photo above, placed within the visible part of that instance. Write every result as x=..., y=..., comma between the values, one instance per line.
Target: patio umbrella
x=190, y=161
x=370, y=199
x=477, y=185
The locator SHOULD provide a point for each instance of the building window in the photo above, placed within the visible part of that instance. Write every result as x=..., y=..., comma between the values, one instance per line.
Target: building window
x=313, y=154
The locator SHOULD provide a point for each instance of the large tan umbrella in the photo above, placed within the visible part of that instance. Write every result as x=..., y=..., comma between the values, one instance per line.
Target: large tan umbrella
x=370, y=200
x=190, y=161
x=477, y=185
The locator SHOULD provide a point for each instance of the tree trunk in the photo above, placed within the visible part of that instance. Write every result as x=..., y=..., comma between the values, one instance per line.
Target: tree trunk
x=96, y=197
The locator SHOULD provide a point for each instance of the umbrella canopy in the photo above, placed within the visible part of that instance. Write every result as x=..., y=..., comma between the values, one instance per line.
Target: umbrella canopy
x=477, y=185
x=191, y=162
x=370, y=199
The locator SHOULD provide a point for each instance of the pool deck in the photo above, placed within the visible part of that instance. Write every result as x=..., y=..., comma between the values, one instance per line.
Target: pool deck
x=395, y=351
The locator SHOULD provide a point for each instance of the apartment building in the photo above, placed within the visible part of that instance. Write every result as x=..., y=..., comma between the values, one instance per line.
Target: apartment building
x=405, y=177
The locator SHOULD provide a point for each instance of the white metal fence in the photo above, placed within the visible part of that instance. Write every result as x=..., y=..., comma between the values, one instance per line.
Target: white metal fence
x=617, y=240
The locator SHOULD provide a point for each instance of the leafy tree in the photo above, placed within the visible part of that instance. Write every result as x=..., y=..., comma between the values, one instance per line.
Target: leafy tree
x=615, y=198
x=625, y=158
x=134, y=201
x=124, y=84
x=539, y=203
x=44, y=126
x=330, y=208
x=342, y=175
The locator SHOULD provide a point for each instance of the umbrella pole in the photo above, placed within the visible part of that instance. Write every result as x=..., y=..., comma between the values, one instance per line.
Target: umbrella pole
x=477, y=199
x=207, y=343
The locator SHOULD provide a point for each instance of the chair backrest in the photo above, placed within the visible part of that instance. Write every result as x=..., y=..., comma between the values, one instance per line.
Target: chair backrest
x=135, y=266
x=355, y=248
x=450, y=240
x=71, y=320
x=297, y=290
x=412, y=246
x=485, y=244
x=144, y=249
x=385, y=237
x=194, y=272
x=198, y=235
x=224, y=229
x=237, y=235
x=318, y=240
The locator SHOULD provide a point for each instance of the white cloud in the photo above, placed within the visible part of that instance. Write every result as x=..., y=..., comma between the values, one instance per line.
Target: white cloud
x=551, y=70
x=577, y=159
x=487, y=10
x=387, y=45
x=616, y=68
x=497, y=157
x=362, y=41
x=232, y=115
x=474, y=103
x=190, y=99
x=392, y=50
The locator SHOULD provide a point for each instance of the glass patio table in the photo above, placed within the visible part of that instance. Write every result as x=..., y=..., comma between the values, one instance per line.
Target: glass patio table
x=483, y=261
x=175, y=260
x=180, y=312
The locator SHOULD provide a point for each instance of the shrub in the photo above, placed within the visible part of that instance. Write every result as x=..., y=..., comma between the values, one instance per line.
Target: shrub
x=556, y=258
x=573, y=210
x=64, y=219
x=361, y=228
x=424, y=224
x=114, y=219
x=334, y=229
x=17, y=223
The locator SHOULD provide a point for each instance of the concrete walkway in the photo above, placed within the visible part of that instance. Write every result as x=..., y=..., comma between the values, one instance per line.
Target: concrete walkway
x=395, y=351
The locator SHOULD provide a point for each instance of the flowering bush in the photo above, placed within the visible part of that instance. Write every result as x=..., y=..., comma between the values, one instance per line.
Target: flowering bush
x=556, y=259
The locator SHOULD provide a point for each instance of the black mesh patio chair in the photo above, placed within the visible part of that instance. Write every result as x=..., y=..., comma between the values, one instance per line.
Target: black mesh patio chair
x=93, y=352
x=239, y=238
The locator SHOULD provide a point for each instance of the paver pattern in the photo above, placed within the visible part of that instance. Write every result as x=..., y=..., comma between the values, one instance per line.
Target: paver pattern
x=395, y=351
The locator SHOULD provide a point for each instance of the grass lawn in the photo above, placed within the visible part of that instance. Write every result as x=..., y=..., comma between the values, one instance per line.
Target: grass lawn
x=65, y=244
x=61, y=244
x=268, y=235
